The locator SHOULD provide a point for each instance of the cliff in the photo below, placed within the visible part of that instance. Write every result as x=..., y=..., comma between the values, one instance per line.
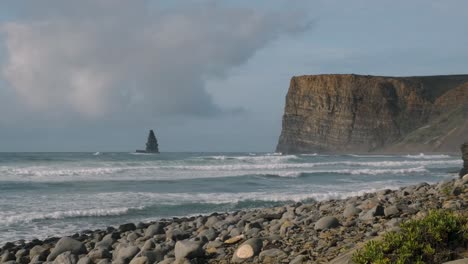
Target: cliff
x=355, y=113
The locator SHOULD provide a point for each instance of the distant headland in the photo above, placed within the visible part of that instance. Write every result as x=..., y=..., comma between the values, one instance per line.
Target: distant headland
x=345, y=113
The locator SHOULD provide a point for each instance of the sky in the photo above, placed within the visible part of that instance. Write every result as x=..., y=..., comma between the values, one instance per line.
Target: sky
x=96, y=75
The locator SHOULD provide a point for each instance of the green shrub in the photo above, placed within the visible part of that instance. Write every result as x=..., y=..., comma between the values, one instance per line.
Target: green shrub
x=428, y=240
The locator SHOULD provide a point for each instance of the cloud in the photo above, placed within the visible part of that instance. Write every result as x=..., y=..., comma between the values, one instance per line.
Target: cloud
x=99, y=57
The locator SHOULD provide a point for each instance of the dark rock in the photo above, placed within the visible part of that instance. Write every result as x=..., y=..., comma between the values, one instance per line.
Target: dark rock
x=127, y=227
x=376, y=211
x=151, y=144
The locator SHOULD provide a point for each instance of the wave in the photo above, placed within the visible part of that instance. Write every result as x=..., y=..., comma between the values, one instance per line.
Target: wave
x=253, y=158
x=424, y=156
x=170, y=172
x=296, y=174
x=36, y=216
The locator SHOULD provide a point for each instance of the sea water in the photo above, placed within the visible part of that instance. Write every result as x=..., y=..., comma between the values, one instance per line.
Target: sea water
x=56, y=194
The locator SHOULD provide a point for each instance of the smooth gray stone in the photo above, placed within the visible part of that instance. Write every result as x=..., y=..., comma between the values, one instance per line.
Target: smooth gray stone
x=392, y=210
x=154, y=229
x=300, y=259
x=351, y=211
x=84, y=260
x=375, y=211
x=140, y=260
x=125, y=254
x=326, y=222
x=67, y=244
x=273, y=253
x=40, y=251
x=66, y=258
x=99, y=253
x=106, y=242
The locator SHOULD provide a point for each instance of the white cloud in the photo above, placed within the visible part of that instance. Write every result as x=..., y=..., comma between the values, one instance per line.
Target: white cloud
x=102, y=56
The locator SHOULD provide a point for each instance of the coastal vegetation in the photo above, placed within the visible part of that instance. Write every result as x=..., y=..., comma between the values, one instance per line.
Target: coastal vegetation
x=432, y=239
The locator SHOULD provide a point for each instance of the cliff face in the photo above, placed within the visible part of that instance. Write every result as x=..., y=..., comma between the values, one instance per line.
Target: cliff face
x=353, y=113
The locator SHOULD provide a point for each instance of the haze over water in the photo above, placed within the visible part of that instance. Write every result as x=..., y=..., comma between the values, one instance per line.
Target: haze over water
x=53, y=194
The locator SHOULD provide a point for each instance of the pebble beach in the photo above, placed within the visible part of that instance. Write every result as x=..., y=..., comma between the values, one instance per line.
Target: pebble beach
x=313, y=232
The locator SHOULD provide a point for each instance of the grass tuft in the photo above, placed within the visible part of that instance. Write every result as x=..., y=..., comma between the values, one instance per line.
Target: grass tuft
x=432, y=239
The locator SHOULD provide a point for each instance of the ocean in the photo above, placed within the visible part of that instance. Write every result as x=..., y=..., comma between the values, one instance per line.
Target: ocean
x=56, y=194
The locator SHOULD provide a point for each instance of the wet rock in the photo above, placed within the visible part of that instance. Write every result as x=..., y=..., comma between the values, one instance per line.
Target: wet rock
x=67, y=244
x=127, y=227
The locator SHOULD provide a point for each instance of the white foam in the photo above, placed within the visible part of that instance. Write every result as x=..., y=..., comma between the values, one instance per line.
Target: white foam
x=425, y=156
x=294, y=174
x=14, y=218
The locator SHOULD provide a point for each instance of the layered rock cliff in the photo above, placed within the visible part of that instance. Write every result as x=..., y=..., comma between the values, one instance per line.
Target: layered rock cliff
x=355, y=113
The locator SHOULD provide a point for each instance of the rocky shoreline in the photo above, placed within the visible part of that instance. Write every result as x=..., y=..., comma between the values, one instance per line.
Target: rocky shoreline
x=315, y=232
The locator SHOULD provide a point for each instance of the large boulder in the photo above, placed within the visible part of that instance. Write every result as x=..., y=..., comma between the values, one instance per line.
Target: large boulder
x=67, y=244
x=66, y=258
x=125, y=254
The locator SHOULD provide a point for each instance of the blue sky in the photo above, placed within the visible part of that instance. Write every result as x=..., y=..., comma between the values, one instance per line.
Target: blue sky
x=95, y=75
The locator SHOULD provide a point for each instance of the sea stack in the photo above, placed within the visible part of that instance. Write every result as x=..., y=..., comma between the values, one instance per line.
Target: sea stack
x=151, y=144
x=464, y=150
